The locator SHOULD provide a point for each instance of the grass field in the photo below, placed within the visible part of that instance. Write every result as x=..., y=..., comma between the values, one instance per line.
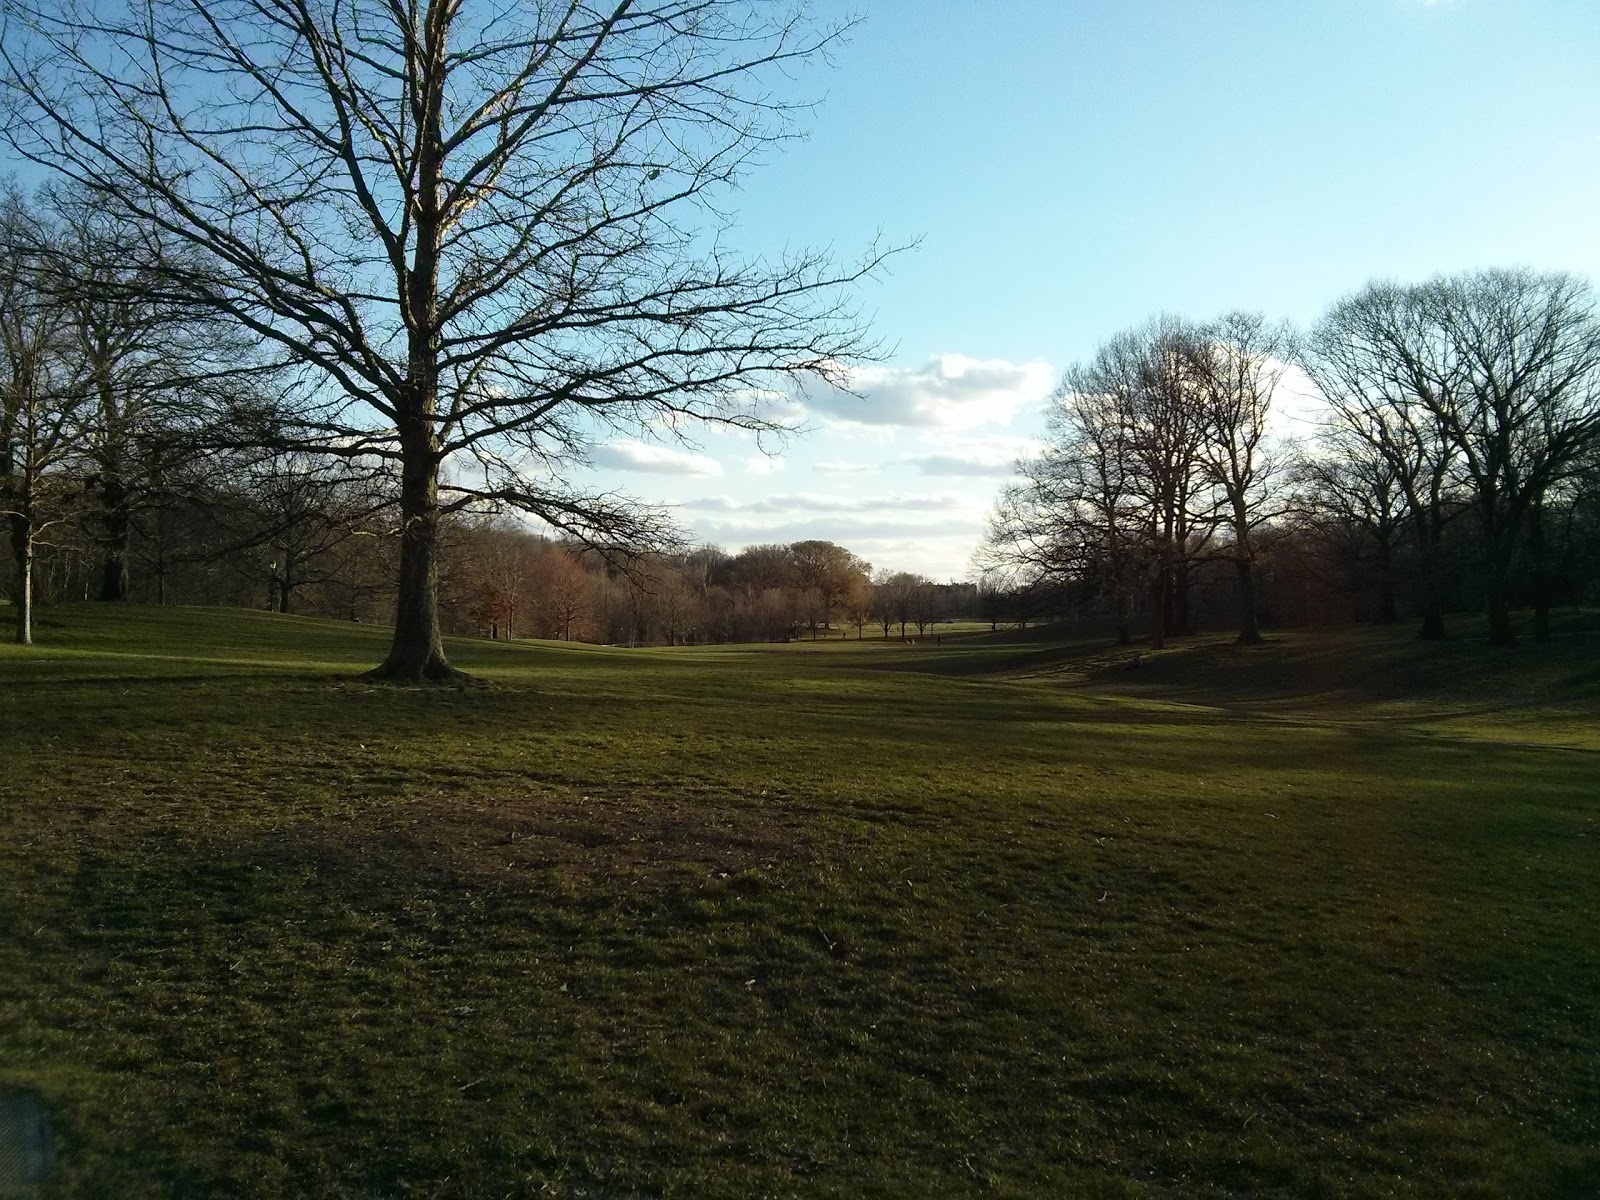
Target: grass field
x=997, y=917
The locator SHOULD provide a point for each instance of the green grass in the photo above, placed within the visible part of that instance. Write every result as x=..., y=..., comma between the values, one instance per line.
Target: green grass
x=998, y=917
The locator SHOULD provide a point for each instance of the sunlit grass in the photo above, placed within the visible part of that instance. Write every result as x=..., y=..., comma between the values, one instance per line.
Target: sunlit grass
x=995, y=916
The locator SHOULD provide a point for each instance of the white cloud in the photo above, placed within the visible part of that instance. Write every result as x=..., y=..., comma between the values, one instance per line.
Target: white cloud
x=762, y=464
x=656, y=460
x=803, y=504
x=844, y=468
x=962, y=465
x=965, y=455
x=950, y=391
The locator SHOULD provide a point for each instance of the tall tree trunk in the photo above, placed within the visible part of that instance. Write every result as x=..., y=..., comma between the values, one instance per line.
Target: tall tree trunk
x=22, y=551
x=1541, y=571
x=1249, y=629
x=1431, y=601
x=417, y=652
x=1181, y=624
x=1498, y=599
x=1388, y=610
x=1498, y=548
x=1160, y=605
x=1499, y=544
x=116, y=521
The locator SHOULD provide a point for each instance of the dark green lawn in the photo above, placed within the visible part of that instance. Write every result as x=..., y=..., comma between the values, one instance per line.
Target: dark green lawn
x=993, y=918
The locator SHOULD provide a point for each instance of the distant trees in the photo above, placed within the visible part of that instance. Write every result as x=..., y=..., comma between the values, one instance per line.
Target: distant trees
x=43, y=399
x=1243, y=358
x=295, y=517
x=1476, y=393
x=831, y=580
x=1154, y=446
x=1463, y=419
x=146, y=364
x=904, y=598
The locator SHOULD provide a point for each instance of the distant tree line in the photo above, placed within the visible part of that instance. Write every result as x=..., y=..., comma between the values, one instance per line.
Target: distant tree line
x=144, y=455
x=507, y=582
x=1457, y=468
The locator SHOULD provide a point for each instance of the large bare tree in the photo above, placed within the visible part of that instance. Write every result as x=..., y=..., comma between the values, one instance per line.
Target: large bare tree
x=1166, y=442
x=1480, y=390
x=153, y=369
x=1122, y=488
x=43, y=396
x=1521, y=401
x=1379, y=367
x=1243, y=360
x=1075, y=515
x=487, y=232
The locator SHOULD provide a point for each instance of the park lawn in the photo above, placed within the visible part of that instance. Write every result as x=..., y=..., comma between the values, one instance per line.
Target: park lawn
x=1000, y=917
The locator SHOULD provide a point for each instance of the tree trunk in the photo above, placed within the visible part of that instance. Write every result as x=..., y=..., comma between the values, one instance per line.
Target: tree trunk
x=1541, y=571
x=417, y=652
x=1159, y=609
x=22, y=550
x=1499, y=604
x=1432, y=621
x=116, y=520
x=1249, y=629
x=1499, y=544
x=1432, y=603
x=1181, y=625
x=1388, y=611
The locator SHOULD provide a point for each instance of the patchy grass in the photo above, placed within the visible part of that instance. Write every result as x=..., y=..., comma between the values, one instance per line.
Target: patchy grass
x=998, y=917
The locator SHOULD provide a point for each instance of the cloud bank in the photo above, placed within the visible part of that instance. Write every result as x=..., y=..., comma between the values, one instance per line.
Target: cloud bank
x=950, y=391
x=654, y=460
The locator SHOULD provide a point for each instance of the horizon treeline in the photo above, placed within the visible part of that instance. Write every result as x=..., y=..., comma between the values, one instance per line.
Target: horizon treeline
x=143, y=456
x=1456, y=467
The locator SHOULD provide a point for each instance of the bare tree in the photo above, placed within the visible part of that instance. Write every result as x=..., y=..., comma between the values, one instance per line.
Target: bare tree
x=902, y=597
x=487, y=232
x=1244, y=360
x=1489, y=380
x=1168, y=433
x=1518, y=395
x=565, y=591
x=1377, y=365
x=927, y=605
x=1349, y=498
x=1076, y=515
x=881, y=603
x=42, y=397
x=297, y=515
x=144, y=361
x=1122, y=489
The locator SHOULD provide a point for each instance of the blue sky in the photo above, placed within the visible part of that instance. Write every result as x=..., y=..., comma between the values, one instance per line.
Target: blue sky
x=1072, y=167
